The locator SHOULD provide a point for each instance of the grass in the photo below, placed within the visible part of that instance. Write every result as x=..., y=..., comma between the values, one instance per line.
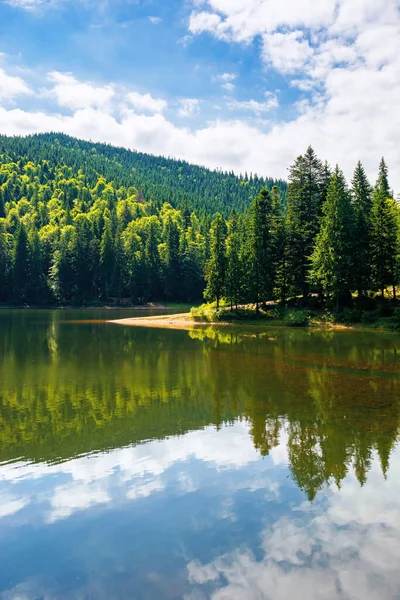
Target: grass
x=385, y=315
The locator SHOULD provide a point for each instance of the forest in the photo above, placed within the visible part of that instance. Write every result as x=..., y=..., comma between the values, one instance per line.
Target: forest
x=82, y=223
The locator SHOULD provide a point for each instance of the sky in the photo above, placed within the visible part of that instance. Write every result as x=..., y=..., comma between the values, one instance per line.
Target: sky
x=243, y=85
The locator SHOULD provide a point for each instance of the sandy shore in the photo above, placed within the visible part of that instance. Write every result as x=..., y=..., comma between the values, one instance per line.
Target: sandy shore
x=178, y=321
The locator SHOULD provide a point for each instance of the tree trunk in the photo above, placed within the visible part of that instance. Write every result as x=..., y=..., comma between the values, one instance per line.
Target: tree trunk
x=394, y=292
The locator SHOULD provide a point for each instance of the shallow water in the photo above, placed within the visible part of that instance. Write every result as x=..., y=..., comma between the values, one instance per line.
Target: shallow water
x=148, y=463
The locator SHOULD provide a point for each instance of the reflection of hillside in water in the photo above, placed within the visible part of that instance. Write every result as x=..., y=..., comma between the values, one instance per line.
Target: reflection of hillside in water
x=69, y=389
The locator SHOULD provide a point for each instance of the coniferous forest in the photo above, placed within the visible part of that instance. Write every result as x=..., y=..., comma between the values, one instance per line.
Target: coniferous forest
x=83, y=222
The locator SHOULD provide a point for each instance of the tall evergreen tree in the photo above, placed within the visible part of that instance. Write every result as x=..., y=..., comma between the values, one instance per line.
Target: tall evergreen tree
x=260, y=268
x=20, y=265
x=234, y=273
x=333, y=253
x=306, y=189
x=216, y=266
x=361, y=193
x=384, y=234
x=5, y=263
x=106, y=258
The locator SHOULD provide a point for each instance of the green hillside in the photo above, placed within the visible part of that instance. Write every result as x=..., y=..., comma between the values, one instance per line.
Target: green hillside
x=158, y=179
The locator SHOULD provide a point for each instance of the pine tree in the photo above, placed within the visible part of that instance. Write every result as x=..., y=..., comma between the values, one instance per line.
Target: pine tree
x=384, y=234
x=5, y=263
x=106, y=258
x=35, y=289
x=234, y=272
x=332, y=256
x=20, y=265
x=279, y=245
x=307, y=182
x=361, y=194
x=260, y=251
x=216, y=266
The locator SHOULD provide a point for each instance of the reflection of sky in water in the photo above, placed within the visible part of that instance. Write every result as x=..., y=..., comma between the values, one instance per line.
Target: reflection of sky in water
x=194, y=517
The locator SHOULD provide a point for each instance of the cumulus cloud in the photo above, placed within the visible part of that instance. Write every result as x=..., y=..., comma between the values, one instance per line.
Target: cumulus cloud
x=136, y=472
x=226, y=81
x=145, y=103
x=12, y=86
x=346, y=545
x=270, y=103
x=74, y=94
x=344, y=55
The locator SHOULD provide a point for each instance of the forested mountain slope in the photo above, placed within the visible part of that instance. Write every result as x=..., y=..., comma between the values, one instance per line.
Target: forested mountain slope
x=157, y=178
x=82, y=222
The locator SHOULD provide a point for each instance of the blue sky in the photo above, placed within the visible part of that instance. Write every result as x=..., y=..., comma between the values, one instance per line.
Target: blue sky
x=236, y=84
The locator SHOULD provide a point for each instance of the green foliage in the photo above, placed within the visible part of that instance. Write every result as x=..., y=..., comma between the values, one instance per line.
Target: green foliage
x=332, y=259
x=84, y=223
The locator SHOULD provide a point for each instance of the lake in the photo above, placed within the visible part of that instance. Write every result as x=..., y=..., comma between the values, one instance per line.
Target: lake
x=216, y=463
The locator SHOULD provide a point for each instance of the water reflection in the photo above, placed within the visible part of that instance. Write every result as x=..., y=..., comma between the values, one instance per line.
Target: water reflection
x=151, y=463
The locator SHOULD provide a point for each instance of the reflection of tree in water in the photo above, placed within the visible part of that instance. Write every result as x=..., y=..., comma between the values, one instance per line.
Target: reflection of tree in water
x=69, y=389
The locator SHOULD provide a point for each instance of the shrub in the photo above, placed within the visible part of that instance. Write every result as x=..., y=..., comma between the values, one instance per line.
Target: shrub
x=296, y=318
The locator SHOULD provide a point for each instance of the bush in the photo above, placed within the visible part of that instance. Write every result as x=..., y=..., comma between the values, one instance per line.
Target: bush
x=206, y=313
x=351, y=315
x=296, y=318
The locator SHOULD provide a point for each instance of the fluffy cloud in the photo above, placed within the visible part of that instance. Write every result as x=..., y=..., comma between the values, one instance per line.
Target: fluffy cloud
x=11, y=86
x=145, y=103
x=271, y=102
x=354, y=117
x=345, y=55
x=347, y=545
x=74, y=94
x=136, y=472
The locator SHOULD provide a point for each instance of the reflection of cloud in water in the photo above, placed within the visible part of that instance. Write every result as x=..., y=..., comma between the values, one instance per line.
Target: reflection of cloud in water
x=346, y=545
x=9, y=505
x=136, y=471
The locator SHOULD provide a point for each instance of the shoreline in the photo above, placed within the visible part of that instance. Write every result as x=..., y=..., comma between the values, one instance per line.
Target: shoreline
x=185, y=322
x=155, y=306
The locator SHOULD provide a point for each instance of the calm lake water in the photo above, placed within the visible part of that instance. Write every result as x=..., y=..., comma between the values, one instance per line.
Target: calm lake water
x=229, y=464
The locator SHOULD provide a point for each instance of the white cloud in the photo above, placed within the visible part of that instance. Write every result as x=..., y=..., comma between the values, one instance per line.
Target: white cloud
x=287, y=52
x=11, y=86
x=10, y=505
x=127, y=473
x=345, y=545
x=155, y=20
x=74, y=94
x=226, y=81
x=27, y=4
x=145, y=103
x=344, y=54
x=270, y=103
x=189, y=107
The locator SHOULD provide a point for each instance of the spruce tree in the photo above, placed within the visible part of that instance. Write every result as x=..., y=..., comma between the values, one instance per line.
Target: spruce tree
x=260, y=267
x=5, y=263
x=216, y=266
x=384, y=234
x=234, y=266
x=306, y=189
x=106, y=258
x=331, y=261
x=361, y=194
x=20, y=265
x=279, y=245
